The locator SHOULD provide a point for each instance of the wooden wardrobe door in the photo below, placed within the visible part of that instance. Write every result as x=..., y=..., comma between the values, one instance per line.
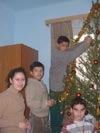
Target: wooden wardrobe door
x=15, y=56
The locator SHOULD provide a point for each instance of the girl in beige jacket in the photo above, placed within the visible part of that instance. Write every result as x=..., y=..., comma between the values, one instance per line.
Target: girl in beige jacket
x=12, y=105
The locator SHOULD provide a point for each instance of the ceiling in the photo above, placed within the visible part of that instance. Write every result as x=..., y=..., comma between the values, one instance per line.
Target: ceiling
x=18, y=5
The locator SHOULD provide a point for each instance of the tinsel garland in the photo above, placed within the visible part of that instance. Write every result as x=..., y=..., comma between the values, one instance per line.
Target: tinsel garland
x=95, y=7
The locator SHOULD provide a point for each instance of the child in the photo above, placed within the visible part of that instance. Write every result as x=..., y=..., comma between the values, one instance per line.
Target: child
x=78, y=124
x=61, y=57
x=12, y=105
x=37, y=99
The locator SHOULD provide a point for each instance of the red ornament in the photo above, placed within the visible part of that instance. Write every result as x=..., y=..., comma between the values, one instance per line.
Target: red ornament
x=78, y=94
x=98, y=125
x=95, y=62
x=99, y=116
x=62, y=112
x=97, y=32
x=69, y=113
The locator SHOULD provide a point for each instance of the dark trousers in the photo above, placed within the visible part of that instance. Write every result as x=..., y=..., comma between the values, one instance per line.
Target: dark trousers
x=56, y=115
x=39, y=124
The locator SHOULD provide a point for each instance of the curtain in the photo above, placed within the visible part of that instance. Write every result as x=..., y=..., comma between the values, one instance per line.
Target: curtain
x=58, y=29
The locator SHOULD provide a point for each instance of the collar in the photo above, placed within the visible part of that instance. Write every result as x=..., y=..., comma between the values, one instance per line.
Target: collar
x=13, y=90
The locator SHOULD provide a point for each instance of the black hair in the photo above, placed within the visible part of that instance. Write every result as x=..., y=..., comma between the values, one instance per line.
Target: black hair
x=13, y=72
x=78, y=100
x=87, y=112
x=36, y=64
x=63, y=39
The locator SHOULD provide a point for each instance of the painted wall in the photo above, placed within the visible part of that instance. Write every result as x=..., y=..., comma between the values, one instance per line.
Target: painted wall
x=29, y=27
x=7, y=21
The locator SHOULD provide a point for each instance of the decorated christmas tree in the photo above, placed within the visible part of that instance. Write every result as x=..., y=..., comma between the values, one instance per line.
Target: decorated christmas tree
x=84, y=79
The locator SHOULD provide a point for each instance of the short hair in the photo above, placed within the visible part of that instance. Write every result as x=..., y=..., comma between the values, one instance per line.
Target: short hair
x=63, y=39
x=78, y=100
x=36, y=64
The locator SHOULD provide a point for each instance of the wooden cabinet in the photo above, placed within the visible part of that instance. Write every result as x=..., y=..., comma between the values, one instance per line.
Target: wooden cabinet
x=14, y=56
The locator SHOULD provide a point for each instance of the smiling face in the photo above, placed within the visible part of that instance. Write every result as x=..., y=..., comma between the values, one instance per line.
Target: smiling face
x=18, y=81
x=37, y=73
x=78, y=112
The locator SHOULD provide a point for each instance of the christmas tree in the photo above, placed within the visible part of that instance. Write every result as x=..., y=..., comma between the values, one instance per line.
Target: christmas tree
x=87, y=84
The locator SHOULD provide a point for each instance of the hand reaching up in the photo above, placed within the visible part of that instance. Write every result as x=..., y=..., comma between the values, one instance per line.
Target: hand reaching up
x=88, y=40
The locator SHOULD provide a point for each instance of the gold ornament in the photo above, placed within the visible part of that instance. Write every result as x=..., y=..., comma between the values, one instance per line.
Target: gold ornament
x=98, y=110
x=70, y=78
x=64, y=95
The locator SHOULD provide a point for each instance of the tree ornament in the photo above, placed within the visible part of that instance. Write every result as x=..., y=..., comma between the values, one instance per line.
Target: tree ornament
x=69, y=113
x=98, y=116
x=62, y=112
x=95, y=62
x=99, y=126
x=70, y=78
x=73, y=70
x=98, y=111
x=99, y=100
x=78, y=94
x=97, y=32
x=93, y=86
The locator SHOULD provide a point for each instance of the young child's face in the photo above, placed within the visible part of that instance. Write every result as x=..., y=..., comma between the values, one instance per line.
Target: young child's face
x=63, y=46
x=78, y=112
x=37, y=73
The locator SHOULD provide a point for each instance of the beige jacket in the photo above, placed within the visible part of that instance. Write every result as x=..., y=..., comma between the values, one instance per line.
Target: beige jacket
x=36, y=97
x=11, y=111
